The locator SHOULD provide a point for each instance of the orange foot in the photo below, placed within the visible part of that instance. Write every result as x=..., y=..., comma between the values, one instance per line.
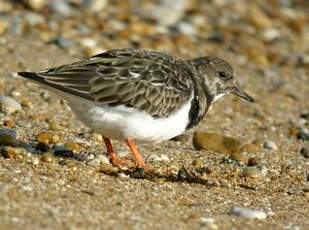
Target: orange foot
x=118, y=162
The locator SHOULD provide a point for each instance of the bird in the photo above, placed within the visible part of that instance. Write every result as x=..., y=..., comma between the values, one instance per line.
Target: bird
x=140, y=95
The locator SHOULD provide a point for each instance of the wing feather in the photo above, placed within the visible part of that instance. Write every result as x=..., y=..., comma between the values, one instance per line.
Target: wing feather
x=146, y=80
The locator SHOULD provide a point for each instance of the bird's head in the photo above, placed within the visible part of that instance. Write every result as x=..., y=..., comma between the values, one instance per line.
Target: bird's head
x=219, y=78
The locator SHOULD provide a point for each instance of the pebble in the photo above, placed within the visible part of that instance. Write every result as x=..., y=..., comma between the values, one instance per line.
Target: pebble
x=305, y=115
x=36, y=4
x=14, y=153
x=255, y=172
x=42, y=147
x=97, y=160
x=8, y=137
x=215, y=142
x=35, y=161
x=306, y=188
x=210, y=223
x=54, y=126
x=47, y=157
x=239, y=157
x=48, y=138
x=9, y=105
x=9, y=123
x=253, y=161
x=271, y=34
x=62, y=151
x=158, y=158
x=63, y=42
x=303, y=134
x=73, y=146
x=305, y=152
x=271, y=145
x=95, y=6
x=61, y=7
x=248, y=213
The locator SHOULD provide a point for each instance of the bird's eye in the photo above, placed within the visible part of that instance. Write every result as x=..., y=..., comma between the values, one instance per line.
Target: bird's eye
x=223, y=75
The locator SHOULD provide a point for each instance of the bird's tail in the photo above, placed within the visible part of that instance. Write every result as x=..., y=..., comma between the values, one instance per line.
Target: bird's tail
x=32, y=76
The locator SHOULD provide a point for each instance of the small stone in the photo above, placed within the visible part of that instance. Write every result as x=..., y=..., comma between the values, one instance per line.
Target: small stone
x=271, y=34
x=61, y=7
x=9, y=105
x=35, y=161
x=36, y=5
x=14, y=152
x=25, y=102
x=47, y=157
x=158, y=158
x=248, y=213
x=42, y=147
x=305, y=115
x=197, y=163
x=253, y=161
x=255, y=172
x=215, y=142
x=99, y=159
x=8, y=137
x=239, y=157
x=305, y=152
x=303, y=134
x=97, y=137
x=90, y=156
x=271, y=145
x=95, y=6
x=9, y=124
x=48, y=138
x=54, y=126
x=306, y=188
x=210, y=223
x=63, y=42
x=62, y=151
x=73, y=146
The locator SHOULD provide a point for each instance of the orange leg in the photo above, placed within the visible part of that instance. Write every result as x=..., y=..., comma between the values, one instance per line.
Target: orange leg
x=137, y=156
x=115, y=160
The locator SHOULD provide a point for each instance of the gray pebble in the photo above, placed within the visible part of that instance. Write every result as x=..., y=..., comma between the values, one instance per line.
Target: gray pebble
x=8, y=137
x=248, y=213
x=271, y=145
x=8, y=105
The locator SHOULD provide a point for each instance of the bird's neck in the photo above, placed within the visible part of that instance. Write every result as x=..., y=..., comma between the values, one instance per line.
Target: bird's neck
x=202, y=98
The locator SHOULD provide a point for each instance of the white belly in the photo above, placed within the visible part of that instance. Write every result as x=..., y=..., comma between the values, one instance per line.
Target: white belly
x=121, y=122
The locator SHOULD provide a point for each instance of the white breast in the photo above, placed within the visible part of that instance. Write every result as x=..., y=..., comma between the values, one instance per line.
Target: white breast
x=121, y=122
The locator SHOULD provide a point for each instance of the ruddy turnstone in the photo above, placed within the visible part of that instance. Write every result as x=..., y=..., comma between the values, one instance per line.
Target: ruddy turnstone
x=140, y=95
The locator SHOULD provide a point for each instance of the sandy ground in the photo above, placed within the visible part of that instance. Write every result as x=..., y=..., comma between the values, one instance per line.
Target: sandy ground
x=78, y=196
x=69, y=193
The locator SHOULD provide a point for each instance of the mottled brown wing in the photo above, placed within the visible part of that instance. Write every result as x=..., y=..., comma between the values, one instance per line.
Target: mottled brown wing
x=146, y=80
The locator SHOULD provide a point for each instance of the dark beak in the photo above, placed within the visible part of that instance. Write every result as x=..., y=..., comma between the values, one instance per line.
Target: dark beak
x=240, y=93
